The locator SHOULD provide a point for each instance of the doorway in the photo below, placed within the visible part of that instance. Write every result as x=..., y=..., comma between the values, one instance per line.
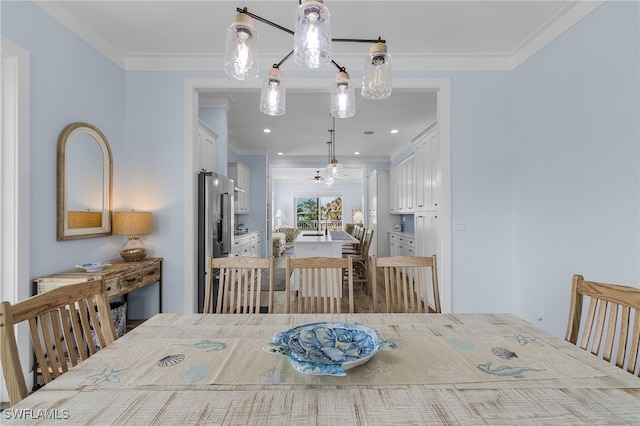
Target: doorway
x=440, y=86
x=14, y=181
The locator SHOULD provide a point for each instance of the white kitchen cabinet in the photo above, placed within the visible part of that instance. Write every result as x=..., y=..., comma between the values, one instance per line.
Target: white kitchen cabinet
x=378, y=218
x=401, y=244
x=427, y=232
x=428, y=172
x=241, y=176
x=205, y=147
x=394, y=190
x=401, y=194
x=247, y=245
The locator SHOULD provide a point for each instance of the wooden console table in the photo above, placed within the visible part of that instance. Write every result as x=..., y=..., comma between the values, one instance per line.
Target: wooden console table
x=120, y=277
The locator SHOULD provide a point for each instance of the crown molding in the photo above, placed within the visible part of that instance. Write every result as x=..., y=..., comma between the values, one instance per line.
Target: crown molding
x=552, y=29
x=60, y=12
x=562, y=21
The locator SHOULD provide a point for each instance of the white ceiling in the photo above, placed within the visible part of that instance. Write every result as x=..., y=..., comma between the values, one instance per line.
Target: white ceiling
x=448, y=35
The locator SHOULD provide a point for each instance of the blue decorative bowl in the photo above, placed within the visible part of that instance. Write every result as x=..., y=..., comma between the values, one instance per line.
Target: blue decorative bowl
x=328, y=348
x=93, y=266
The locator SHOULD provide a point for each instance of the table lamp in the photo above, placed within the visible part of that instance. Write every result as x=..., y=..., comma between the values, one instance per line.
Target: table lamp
x=280, y=216
x=357, y=217
x=132, y=223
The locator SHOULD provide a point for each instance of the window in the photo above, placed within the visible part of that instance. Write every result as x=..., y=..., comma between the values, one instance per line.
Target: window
x=318, y=212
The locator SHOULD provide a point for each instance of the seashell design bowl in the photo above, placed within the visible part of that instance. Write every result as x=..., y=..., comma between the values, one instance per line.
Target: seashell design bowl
x=93, y=266
x=328, y=348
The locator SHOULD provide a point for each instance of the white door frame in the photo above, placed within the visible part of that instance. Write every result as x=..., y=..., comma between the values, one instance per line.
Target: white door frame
x=441, y=86
x=14, y=189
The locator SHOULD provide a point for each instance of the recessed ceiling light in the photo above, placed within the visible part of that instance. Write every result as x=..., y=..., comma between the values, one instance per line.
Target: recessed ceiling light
x=281, y=153
x=267, y=130
x=356, y=153
x=394, y=131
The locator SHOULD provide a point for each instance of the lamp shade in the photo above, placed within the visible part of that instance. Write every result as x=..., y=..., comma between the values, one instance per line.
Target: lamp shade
x=376, y=83
x=312, y=35
x=241, y=54
x=273, y=96
x=131, y=223
x=343, y=101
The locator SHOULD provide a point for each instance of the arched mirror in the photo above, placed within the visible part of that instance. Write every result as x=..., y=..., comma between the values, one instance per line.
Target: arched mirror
x=84, y=183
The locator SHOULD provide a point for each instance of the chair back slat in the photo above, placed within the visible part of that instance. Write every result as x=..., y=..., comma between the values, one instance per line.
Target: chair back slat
x=610, y=327
x=239, y=285
x=407, y=287
x=59, y=340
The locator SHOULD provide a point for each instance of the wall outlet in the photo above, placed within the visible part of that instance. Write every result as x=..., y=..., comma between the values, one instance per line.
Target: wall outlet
x=458, y=225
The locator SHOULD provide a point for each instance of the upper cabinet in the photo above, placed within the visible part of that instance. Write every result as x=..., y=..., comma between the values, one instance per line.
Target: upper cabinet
x=428, y=172
x=205, y=147
x=241, y=176
x=401, y=187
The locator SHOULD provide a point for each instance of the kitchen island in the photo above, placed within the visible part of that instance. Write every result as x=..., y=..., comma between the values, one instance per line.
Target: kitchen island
x=317, y=244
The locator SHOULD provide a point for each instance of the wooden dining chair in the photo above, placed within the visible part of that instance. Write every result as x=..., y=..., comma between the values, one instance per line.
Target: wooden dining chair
x=319, y=282
x=407, y=286
x=67, y=324
x=242, y=285
x=613, y=318
x=352, y=248
x=362, y=260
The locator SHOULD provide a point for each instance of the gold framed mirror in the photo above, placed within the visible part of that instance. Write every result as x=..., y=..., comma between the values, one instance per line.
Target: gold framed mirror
x=84, y=183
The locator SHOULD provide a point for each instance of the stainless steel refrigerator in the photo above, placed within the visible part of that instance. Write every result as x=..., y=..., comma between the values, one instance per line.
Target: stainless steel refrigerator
x=215, y=224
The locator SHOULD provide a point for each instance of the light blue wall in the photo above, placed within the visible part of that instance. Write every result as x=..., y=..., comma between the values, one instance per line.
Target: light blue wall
x=544, y=160
x=576, y=163
x=69, y=81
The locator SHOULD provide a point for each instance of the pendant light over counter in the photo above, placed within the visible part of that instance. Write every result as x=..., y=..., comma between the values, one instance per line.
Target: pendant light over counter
x=335, y=170
x=312, y=48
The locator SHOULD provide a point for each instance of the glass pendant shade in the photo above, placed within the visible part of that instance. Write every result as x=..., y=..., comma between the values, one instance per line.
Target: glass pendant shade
x=312, y=35
x=273, y=96
x=343, y=99
x=335, y=170
x=376, y=83
x=241, y=54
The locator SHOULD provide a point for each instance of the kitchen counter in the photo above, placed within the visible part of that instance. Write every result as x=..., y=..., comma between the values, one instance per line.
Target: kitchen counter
x=313, y=244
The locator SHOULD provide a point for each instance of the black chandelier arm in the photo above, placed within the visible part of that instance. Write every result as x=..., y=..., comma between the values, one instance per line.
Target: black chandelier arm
x=283, y=60
x=358, y=40
x=266, y=21
x=287, y=30
x=340, y=69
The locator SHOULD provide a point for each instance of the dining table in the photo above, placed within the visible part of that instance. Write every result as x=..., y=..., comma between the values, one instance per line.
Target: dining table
x=459, y=369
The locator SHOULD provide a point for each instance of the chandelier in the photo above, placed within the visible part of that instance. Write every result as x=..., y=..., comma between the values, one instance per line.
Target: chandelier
x=312, y=48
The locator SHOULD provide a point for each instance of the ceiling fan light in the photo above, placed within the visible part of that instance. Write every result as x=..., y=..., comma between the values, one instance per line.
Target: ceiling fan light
x=376, y=83
x=312, y=34
x=241, y=53
x=343, y=100
x=273, y=96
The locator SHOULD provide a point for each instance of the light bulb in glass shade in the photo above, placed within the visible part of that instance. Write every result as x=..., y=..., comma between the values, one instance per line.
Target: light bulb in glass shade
x=343, y=102
x=241, y=54
x=312, y=35
x=273, y=96
x=335, y=170
x=376, y=83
